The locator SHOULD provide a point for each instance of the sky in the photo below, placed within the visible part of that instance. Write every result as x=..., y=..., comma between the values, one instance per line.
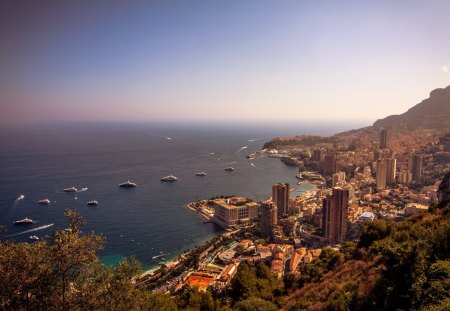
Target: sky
x=221, y=61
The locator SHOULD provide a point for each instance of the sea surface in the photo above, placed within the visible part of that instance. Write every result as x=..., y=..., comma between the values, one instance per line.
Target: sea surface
x=39, y=161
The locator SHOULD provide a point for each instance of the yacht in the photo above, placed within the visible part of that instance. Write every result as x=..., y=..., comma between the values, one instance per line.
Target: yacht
x=128, y=184
x=229, y=169
x=71, y=189
x=24, y=221
x=169, y=178
x=93, y=202
x=33, y=238
x=44, y=201
x=200, y=174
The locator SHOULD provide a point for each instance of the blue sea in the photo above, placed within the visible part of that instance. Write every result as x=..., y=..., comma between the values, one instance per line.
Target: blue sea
x=40, y=160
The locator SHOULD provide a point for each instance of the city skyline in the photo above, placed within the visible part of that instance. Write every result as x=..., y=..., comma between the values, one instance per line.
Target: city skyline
x=220, y=61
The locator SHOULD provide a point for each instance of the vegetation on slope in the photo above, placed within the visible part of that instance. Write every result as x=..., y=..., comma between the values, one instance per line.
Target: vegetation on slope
x=395, y=266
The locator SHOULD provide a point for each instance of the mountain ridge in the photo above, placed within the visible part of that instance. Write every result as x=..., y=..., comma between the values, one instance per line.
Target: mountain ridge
x=431, y=113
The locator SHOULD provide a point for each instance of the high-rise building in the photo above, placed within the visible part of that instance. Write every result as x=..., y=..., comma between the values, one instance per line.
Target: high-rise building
x=391, y=170
x=383, y=138
x=338, y=179
x=404, y=177
x=334, y=216
x=269, y=220
x=280, y=197
x=409, y=163
x=417, y=167
x=317, y=155
x=381, y=174
x=330, y=163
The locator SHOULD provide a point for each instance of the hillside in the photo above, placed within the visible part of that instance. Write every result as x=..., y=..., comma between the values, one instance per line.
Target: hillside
x=395, y=266
x=433, y=112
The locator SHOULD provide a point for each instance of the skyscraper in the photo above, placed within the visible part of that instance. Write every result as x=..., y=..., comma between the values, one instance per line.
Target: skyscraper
x=338, y=179
x=391, y=170
x=334, y=216
x=417, y=167
x=404, y=177
x=381, y=174
x=268, y=217
x=383, y=138
x=330, y=163
x=317, y=155
x=280, y=197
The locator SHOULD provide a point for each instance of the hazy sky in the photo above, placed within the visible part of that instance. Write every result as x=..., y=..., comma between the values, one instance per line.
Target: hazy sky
x=220, y=60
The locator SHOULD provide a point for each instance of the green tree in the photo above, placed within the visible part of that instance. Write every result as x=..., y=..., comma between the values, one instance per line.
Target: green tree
x=255, y=304
x=190, y=298
x=65, y=273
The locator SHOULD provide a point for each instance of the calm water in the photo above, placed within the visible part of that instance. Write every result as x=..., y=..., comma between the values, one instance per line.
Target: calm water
x=39, y=162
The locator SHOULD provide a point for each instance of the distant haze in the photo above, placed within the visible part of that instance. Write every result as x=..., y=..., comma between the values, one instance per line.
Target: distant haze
x=220, y=60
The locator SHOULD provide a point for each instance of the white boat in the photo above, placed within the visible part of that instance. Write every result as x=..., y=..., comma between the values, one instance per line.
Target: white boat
x=128, y=184
x=33, y=238
x=24, y=221
x=71, y=189
x=229, y=169
x=44, y=201
x=200, y=174
x=93, y=202
x=20, y=197
x=169, y=178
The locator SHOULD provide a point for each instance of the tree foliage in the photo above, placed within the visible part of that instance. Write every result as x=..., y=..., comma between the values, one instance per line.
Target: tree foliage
x=254, y=281
x=65, y=273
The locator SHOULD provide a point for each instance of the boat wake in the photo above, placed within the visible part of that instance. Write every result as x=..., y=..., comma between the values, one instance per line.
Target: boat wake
x=242, y=148
x=82, y=190
x=30, y=230
x=231, y=163
x=255, y=139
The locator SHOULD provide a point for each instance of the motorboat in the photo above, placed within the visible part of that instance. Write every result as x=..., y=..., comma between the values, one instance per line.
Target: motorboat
x=229, y=169
x=169, y=178
x=33, y=238
x=20, y=197
x=44, y=201
x=157, y=256
x=71, y=189
x=200, y=174
x=93, y=202
x=128, y=184
x=25, y=221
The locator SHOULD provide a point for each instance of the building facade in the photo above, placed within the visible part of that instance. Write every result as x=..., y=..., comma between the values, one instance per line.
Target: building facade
x=383, y=138
x=280, y=197
x=334, y=213
x=234, y=212
x=417, y=167
x=381, y=174
x=269, y=217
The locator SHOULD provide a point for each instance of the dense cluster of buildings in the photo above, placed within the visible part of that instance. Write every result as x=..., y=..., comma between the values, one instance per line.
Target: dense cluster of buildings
x=361, y=177
x=369, y=174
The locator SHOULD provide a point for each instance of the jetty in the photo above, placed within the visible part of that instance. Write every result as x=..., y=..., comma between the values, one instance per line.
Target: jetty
x=203, y=209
